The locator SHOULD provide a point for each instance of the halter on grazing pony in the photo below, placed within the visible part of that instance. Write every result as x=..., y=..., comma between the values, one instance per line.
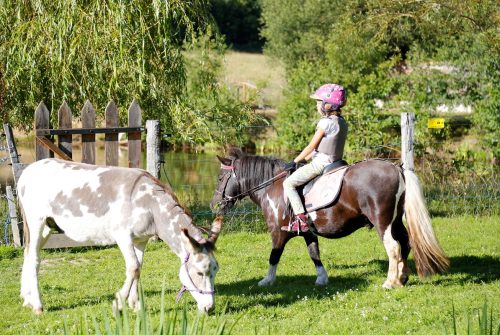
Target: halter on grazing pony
x=374, y=193
x=107, y=205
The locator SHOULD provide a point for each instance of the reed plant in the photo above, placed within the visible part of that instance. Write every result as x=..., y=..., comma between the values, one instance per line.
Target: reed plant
x=174, y=322
x=479, y=322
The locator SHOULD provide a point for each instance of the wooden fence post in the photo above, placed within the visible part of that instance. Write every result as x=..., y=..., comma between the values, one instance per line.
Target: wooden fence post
x=65, y=121
x=14, y=222
x=134, y=138
x=17, y=166
x=111, y=139
x=42, y=121
x=407, y=140
x=153, y=147
x=88, y=140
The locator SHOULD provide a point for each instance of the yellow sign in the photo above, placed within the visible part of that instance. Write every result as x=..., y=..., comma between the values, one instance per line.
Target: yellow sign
x=435, y=123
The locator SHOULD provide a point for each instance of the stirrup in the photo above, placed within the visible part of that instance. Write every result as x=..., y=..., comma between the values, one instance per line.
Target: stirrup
x=298, y=224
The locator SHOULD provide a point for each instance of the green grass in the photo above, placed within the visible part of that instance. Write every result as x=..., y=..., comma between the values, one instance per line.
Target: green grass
x=80, y=284
x=257, y=69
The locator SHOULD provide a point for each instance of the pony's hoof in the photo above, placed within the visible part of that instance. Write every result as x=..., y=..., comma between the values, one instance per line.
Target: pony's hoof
x=321, y=282
x=135, y=306
x=117, y=306
x=38, y=311
x=390, y=285
x=266, y=282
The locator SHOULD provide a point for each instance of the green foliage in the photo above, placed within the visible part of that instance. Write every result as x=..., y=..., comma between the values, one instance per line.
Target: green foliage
x=9, y=252
x=55, y=51
x=239, y=22
x=412, y=56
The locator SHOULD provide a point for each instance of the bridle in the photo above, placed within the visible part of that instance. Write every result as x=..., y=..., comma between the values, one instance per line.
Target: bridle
x=195, y=288
x=231, y=173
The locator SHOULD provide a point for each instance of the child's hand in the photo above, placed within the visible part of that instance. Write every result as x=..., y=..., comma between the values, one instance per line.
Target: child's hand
x=290, y=166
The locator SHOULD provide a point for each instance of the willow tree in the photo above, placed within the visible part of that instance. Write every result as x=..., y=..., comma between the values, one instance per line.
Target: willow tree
x=121, y=50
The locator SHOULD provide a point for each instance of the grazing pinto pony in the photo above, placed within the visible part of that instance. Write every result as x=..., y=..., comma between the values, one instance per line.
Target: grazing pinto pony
x=107, y=205
x=374, y=193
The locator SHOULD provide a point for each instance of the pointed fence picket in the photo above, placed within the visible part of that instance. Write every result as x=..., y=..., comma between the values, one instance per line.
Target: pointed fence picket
x=45, y=147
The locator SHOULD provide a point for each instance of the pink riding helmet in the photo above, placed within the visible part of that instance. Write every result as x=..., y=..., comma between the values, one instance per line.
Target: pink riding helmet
x=333, y=97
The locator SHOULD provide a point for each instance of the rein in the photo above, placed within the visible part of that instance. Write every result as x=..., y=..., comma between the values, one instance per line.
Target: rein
x=184, y=288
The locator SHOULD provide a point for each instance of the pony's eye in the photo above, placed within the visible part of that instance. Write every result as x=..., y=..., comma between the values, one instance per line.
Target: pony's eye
x=200, y=274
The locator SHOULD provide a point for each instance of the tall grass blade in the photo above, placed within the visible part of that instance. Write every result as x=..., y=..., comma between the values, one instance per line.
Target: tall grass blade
x=184, y=325
x=107, y=324
x=454, y=318
x=161, y=326
x=97, y=330
x=65, y=325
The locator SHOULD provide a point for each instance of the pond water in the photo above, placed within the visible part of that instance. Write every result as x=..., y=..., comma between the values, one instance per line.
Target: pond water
x=193, y=176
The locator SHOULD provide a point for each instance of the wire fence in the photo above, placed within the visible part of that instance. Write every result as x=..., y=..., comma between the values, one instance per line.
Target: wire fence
x=193, y=177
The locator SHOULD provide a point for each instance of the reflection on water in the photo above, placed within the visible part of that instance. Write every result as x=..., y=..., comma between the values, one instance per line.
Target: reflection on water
x=193, y=176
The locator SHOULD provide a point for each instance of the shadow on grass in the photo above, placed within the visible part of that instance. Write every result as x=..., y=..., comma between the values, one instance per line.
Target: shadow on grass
x=286, y=290
x=290, y=289
x=472, y=269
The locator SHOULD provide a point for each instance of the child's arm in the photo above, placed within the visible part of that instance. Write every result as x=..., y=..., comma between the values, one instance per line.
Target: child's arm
x=313, y=144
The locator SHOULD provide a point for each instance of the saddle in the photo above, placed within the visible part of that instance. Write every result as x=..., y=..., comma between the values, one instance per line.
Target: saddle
x=324, y=189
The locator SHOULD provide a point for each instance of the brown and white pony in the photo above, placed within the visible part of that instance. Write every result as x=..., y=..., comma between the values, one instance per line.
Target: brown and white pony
x=107, y=205
x=374, y=193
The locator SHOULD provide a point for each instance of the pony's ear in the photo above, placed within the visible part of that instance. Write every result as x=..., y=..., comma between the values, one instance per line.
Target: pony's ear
x=191, y=243
x=215, y=230
x=223, y=160
x=236, y=152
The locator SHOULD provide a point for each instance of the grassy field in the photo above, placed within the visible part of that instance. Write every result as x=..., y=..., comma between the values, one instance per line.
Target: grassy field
x=255, y=69
x=80, y=284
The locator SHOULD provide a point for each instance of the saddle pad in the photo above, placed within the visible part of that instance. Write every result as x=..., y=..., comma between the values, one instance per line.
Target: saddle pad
x=325, y=190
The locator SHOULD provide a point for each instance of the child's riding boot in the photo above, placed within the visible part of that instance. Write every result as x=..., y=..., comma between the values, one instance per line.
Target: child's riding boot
x=297, y=225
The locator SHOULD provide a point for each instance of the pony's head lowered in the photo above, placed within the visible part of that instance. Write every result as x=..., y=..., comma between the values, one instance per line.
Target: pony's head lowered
x=238, y=177
x=199, y=267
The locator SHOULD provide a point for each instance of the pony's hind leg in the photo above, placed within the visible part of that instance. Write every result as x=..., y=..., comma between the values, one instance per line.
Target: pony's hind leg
x=393, y=250
x=313, y=248
x=30, y=290
x=400, y=234
x=132, y=272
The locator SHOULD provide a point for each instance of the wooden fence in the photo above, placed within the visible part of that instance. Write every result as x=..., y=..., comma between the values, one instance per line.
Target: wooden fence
x=63, y=147
x=45, y=148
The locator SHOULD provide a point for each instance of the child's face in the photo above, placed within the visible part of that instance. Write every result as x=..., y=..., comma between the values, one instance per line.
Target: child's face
x=318, y=106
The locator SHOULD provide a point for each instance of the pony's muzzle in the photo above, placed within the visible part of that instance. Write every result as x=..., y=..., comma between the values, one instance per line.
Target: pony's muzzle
x=208, y=309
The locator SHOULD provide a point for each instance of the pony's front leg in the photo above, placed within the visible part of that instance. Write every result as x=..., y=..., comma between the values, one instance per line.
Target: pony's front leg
x=280, y=239
x=132, y=272
x=133, y=298
x=313, y=249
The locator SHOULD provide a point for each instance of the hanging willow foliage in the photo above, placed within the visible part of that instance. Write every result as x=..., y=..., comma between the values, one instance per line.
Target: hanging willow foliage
x=98, y=50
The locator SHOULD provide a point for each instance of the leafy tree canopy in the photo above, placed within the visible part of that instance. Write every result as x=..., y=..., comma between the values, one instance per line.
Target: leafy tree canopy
x=102, y=50
x=410, y=55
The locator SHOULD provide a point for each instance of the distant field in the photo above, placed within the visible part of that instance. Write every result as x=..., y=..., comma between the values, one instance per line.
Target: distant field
x=256, y=69
x=81, y=283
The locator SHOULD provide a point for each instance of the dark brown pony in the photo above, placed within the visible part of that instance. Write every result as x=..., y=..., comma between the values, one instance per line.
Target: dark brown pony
x=374, y=193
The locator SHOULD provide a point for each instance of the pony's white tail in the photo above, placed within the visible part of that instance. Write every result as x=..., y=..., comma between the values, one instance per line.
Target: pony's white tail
x=429, y=257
